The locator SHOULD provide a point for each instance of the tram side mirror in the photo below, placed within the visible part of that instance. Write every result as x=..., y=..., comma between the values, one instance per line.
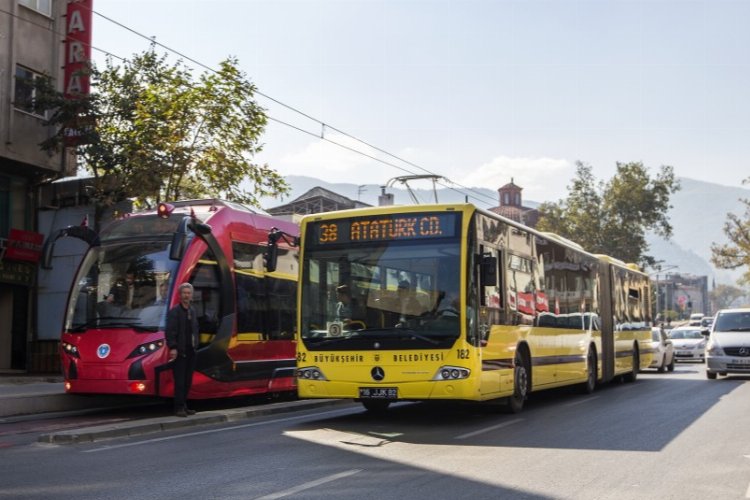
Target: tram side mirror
x=488, y=270
x=177, y=248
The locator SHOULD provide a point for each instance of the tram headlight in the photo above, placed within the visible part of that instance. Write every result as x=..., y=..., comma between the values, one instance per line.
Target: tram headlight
x=452, y=373
x=310, y=373
x=71, y=349
x=147, y=348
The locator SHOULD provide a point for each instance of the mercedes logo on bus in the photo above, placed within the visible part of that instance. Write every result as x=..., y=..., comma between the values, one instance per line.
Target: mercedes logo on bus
x=377, y=374
x=744, y=351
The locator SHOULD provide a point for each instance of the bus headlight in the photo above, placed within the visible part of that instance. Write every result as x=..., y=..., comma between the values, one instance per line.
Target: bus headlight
x=310, y=373
x=452, y=373
x=71, y=349
x=146, y=348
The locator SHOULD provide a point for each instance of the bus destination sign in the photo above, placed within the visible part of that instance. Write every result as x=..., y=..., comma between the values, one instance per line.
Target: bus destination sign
x=391, y=227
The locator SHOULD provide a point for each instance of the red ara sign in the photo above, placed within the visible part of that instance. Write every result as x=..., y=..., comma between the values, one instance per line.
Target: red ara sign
x=77, y=48
x=24, y=245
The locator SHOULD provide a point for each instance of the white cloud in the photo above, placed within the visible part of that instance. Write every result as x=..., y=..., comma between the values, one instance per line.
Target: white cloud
x=542, y=179
x=323, y=160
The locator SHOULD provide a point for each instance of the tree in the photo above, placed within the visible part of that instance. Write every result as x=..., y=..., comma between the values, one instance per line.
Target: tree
x=151, y=132
x=737, y=253
x=723, y=296
x=613, y=217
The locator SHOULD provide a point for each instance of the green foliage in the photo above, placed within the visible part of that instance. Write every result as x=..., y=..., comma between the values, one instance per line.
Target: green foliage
x=151, y=131
x=723, y=296
x=612, y=218
x=736, y=253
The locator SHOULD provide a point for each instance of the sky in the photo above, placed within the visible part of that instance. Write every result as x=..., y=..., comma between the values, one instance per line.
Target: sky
x=476, y=91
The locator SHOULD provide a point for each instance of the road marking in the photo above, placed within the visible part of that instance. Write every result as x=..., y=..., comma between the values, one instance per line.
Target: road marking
x=211, y=431
x=488, y=429
x=575, y=403
x=311, y=484
x=747, y=493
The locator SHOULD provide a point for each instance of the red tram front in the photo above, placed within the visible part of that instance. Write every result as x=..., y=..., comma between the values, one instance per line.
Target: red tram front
x=113, y=333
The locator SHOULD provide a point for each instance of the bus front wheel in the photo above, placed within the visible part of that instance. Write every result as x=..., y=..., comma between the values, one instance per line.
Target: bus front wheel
x=520, y=384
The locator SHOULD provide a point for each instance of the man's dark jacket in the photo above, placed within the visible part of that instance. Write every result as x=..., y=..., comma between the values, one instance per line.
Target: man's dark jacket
x=177, y=328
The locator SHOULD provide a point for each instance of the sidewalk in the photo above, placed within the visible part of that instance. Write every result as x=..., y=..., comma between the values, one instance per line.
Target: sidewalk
x=30, y=395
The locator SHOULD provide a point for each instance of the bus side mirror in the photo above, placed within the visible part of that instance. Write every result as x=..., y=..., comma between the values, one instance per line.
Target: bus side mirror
x=488, y=271
x=271, y=257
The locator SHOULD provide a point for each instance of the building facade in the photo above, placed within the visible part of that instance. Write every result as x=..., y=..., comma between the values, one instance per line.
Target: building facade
x=316, y=200
x=30, y=47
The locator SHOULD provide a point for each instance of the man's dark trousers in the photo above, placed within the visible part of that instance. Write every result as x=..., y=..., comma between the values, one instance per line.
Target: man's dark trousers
x=184, y=366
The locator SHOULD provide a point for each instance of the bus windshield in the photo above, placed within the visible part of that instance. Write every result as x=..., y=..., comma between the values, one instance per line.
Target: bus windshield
x=396, y=294
x=122, y=286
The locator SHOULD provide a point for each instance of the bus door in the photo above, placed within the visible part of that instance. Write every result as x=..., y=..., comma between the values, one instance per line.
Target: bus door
x=492, y=341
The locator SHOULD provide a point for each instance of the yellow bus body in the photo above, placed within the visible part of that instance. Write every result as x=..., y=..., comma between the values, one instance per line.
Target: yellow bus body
x=556, y=356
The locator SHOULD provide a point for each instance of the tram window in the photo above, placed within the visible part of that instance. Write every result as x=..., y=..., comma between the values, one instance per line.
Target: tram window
x=281, y=307
x=247, y=256
x=251, y=305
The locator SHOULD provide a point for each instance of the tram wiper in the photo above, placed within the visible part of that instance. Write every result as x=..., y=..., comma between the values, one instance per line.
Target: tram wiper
x=112, y=322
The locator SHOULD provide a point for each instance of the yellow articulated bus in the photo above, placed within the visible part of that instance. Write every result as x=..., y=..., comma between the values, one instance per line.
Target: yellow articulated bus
x=452, y=302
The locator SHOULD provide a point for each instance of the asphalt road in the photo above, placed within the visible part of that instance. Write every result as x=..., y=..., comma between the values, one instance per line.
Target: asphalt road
x=673, y=435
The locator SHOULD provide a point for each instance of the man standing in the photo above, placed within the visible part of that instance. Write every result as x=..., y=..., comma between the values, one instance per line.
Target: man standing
x=182, y=340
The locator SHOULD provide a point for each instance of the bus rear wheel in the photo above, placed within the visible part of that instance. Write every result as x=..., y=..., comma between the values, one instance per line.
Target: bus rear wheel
x=591, y=372
x=633, y=375
x=520, y=384
x=376, y=405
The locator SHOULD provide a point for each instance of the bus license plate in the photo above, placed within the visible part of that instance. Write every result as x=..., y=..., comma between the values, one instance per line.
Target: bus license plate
x=378, y=392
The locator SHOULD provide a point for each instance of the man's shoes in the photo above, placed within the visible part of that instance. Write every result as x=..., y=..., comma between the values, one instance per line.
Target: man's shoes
x=182, y=412
x=189, y=411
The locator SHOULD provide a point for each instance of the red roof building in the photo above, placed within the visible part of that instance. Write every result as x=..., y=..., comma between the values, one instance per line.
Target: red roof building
x=511, y=205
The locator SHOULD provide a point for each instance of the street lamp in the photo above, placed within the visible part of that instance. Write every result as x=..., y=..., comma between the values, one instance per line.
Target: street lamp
x=659, y=269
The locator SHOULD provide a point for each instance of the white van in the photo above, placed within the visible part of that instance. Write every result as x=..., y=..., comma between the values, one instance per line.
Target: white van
x=728, y=348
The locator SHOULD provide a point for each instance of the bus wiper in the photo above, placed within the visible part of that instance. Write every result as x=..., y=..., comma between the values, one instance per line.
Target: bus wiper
x=736, y=330
x=331, y=340
x=400, y=332
x=410, y=332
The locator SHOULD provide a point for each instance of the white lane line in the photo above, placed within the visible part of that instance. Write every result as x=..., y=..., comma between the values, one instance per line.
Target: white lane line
x=580, y=402
x=311, y=484
x=488, y=429
x=747, y=493
x=211, y=431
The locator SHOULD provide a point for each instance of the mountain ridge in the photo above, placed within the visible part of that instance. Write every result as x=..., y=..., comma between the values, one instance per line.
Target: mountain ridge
x=697, y=214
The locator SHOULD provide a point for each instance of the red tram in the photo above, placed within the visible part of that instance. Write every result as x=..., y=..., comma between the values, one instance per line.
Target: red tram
x=113, y=333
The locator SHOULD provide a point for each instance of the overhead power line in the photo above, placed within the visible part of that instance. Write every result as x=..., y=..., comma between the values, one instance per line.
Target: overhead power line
x=476, y=195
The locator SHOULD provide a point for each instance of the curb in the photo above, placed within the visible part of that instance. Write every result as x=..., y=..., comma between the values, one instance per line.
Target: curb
x=163, y=424
x=32, y=404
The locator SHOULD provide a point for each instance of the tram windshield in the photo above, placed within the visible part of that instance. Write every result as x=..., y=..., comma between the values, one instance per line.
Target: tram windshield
x=122, y=286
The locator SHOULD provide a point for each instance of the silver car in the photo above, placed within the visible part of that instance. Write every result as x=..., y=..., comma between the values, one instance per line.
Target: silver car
x=728, y=348
x=689, y=343
x=663, y=350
